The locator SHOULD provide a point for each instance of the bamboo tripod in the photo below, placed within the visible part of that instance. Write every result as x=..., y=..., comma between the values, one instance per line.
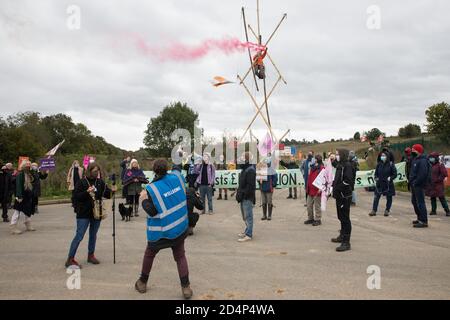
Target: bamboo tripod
x=259, y=108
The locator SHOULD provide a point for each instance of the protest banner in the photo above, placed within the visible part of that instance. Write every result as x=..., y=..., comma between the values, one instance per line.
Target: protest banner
x=47, y=164
x=289, y=178
x=22, y=159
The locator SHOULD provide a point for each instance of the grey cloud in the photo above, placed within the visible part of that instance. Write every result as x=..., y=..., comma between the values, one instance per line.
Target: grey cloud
x=341, y=76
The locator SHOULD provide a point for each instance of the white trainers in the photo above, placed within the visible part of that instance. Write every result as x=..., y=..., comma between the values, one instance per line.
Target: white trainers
x=244, y=239
x=241, y=235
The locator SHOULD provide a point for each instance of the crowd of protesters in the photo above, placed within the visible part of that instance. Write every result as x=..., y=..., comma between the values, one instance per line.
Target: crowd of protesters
x=170, y=199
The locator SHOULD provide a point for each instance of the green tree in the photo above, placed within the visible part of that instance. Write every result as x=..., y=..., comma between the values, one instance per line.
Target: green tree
x=438, y=118
x=158, y=134
x=357, y=136
x=373, y=134
x=409, y=131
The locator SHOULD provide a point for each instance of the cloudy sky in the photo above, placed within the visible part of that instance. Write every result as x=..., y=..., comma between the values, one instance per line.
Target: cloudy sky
x=342, y=76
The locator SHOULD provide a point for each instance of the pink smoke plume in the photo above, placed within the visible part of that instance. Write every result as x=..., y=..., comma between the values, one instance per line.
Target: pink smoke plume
x=181, y=52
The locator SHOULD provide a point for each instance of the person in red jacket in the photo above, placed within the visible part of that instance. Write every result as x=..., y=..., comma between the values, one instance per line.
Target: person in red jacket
x=314, y=194
x=258, y=63
x=436, y=188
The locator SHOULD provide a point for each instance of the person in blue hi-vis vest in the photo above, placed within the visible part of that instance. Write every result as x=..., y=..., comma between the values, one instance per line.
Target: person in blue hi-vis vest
x=164, y=201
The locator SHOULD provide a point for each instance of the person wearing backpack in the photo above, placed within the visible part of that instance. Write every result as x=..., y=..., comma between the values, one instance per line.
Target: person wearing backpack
x=418, y=178
x=385, y=173
x=436, y=188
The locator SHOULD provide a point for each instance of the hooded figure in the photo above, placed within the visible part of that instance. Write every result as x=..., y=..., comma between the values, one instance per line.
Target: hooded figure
x=436, y=189
x=343, y=185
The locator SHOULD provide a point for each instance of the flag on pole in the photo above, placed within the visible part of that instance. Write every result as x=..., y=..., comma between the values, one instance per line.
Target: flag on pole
x=55, y=148
x=266, y=146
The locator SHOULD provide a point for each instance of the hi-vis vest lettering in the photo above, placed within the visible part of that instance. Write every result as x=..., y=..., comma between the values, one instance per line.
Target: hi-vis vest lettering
x=169, y=198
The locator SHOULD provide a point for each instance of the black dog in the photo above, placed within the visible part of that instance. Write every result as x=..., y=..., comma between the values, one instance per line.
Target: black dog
x=125, y=212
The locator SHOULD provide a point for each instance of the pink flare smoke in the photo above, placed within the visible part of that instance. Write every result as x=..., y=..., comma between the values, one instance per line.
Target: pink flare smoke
x=182, y=52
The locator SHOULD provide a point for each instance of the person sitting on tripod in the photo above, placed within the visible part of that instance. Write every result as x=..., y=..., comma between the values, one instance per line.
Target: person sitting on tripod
x=133, y=180
x=260, y=69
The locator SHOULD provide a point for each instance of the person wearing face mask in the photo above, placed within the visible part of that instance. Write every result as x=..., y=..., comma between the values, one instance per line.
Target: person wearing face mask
x=205, y=182
x=343, y=185
x=86, y=190
x=436, y=189
x=222, y=166
x=191, y=170
x=245, y=195
x=74, y=175
x=418, y=179
x=6, y=186
x=132, y=180
x=305, y=168
x=267, y=185
x=314, y=194
x=37, y=177
x=23, y=206
x=385, y=173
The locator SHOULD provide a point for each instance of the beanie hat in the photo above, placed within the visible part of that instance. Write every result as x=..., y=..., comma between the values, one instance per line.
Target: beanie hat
x=418, y=148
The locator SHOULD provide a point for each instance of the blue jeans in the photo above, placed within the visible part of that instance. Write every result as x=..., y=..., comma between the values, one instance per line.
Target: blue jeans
x=247, y=215
x=206, y=191
x=376, y=200
x=82, y=225
x=418, y=201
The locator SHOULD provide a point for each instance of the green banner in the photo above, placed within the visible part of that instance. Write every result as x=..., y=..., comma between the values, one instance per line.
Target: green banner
x=229, y=179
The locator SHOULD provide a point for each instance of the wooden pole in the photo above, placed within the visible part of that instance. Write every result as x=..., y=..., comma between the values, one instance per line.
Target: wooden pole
x=257, y=16
x=257, y=108
x=260, y=108
x=265, y=101
x=249, y=54
x=276, y=29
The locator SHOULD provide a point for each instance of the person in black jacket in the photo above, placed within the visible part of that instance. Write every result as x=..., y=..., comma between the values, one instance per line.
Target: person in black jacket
x=343, y=185
x=124, y=165
x=87, y=189
x=385, y=173
x=418, y=179
x=246, y=196
x=407, y=158
x=291, y=165
x=193, y=201
x=6, y=186
x=38, y=176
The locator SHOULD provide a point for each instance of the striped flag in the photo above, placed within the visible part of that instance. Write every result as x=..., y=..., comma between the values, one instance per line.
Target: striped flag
x=55, y=148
